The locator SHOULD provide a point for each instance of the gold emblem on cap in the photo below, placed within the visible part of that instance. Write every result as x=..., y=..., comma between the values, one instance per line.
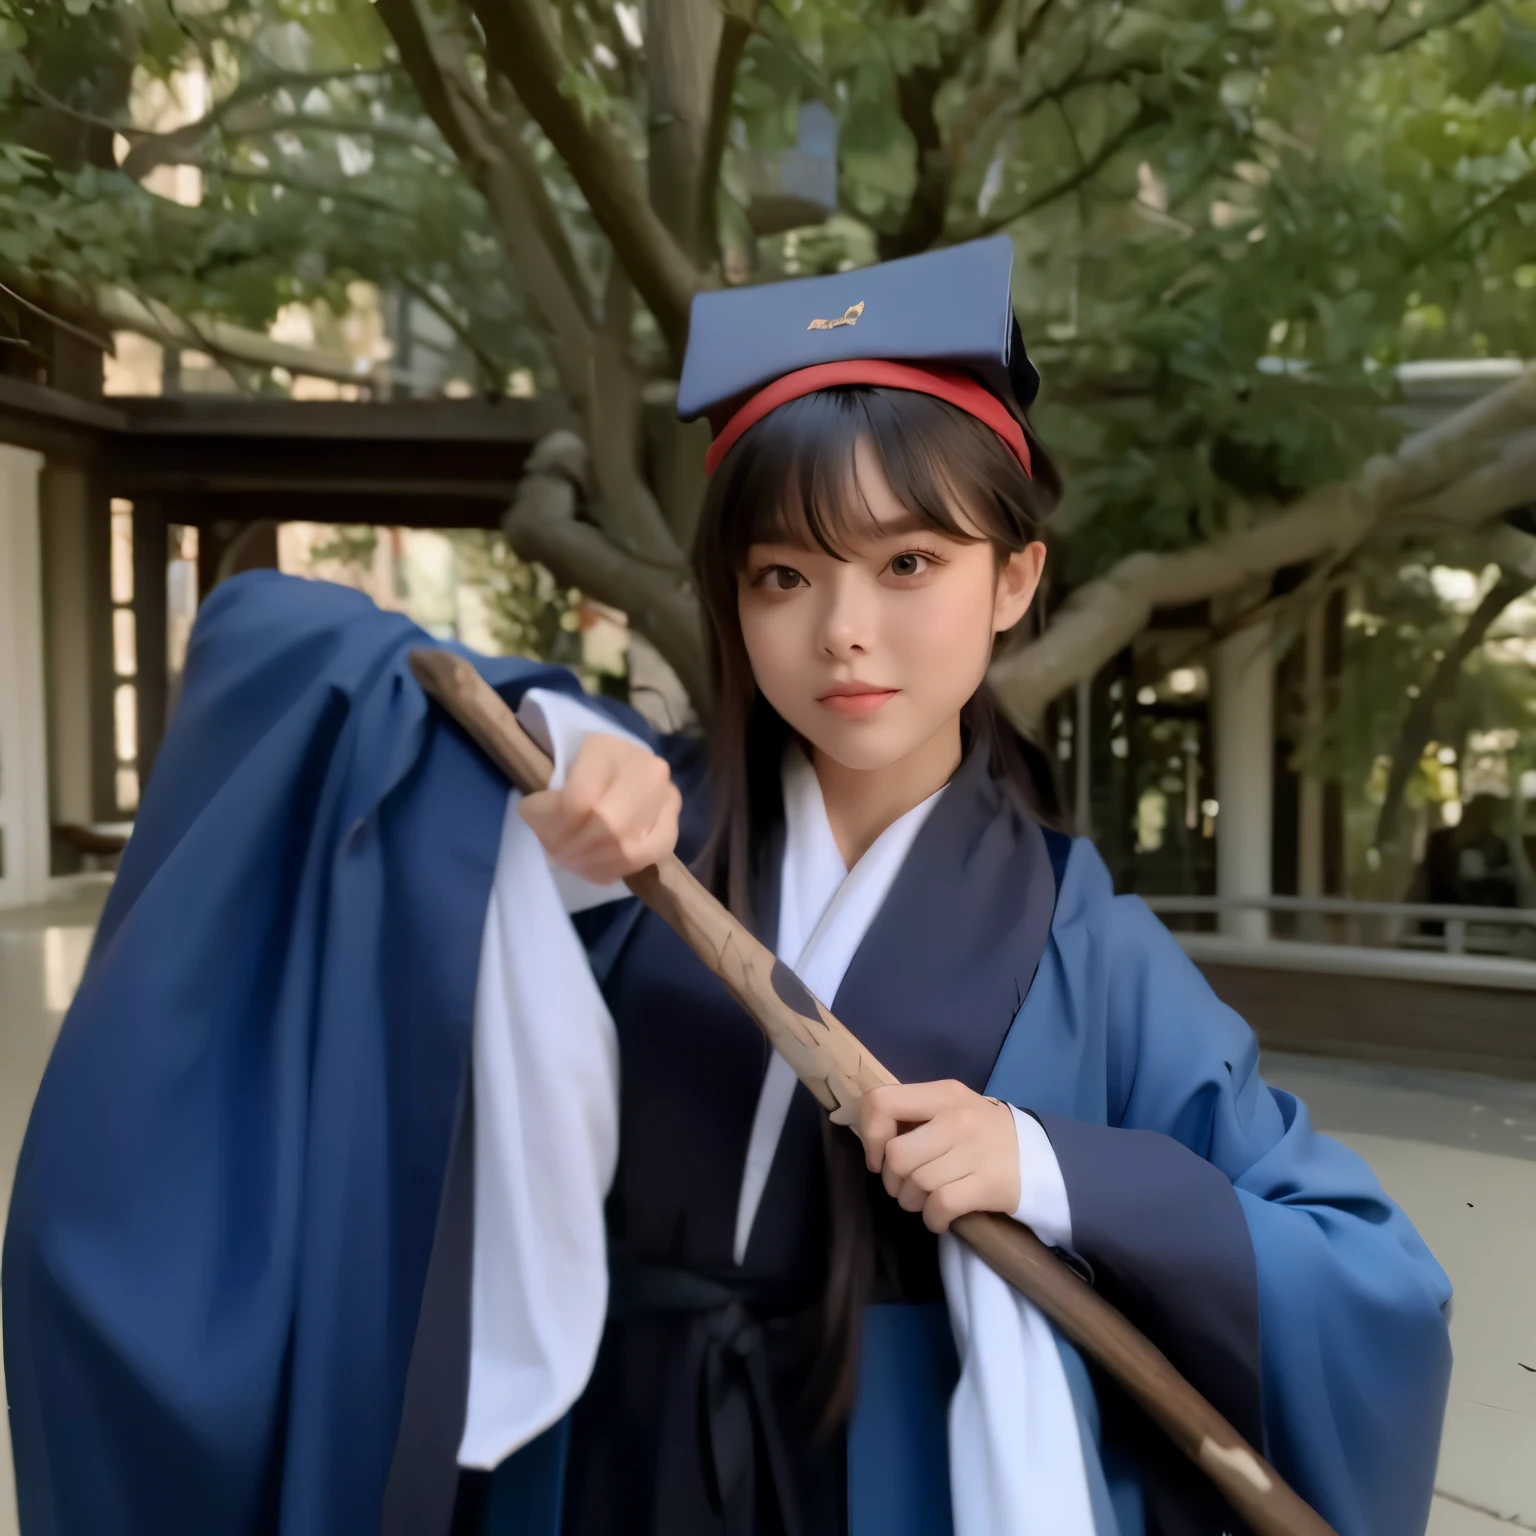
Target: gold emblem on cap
x=850, y=316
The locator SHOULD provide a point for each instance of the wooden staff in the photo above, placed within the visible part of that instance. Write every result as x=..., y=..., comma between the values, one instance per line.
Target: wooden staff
x=838, y=1071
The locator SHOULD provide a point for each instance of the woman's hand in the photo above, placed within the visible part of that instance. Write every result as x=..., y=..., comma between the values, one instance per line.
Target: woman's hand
x=941, y=1149
x=616, y=813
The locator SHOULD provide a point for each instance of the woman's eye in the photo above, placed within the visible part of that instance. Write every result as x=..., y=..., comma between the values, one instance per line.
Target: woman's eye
x=910, y=564
x=781, y=578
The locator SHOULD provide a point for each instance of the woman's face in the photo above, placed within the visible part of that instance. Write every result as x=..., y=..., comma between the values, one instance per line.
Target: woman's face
x=871, y=656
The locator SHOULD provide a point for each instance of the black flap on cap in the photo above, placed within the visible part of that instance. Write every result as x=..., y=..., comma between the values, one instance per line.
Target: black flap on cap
x=947, y=308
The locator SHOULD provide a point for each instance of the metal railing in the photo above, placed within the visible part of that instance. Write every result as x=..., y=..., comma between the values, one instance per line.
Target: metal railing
x=1374, y=924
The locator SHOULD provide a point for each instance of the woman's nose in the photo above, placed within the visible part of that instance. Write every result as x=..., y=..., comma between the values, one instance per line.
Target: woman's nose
x=846, y=621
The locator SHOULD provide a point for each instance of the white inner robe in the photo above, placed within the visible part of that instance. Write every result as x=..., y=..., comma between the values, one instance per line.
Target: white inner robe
x=545, y=1060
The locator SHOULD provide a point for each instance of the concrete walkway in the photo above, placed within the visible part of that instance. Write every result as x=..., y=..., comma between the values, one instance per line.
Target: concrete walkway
x=1458, y=1152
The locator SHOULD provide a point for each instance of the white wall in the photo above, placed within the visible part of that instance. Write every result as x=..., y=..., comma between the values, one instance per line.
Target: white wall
x=23, y=721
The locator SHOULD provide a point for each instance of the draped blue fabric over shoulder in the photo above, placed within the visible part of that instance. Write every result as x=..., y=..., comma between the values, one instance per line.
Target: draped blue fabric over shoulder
x=225, y=1202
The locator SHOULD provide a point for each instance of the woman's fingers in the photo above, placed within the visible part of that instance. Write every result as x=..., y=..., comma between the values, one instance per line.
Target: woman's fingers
x=604, y=850
x=914, y=1147
x=632, y=825
x=616, y=813
x=549, y=818
x=961, y=1156
x=913, y=1192
x=914, y=1103
x=559, y=816
x=952, y=1201
x=884, y=1112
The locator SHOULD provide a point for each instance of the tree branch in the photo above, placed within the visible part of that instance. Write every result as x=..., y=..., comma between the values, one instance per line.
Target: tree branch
x=489, y=366
x=257, y=88
x=633, y=562
x=78, y=332
x=634, y=521
x=501, y=167
x=1079, y=79
x=511, y=141
x=734, y=37
x=1031, y=28
x=682, y=50
x=1521, y=186
x=1065, y=186
x=1492, y=488
x=542, y=524
x=154, y=148
x=230, y=343
x=1445, y=461
x=315, y=189
x=523, y=44
x=1437, y=454
x=923, y=222
x=1436, y=24
x=1419, y=723
x=420, y=61
x=917, y=93
x=180, y=146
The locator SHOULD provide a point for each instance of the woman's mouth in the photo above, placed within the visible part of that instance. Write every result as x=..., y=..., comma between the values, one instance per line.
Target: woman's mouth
x=853, y=701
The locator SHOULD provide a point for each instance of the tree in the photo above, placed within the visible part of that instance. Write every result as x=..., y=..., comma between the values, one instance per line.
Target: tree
x=1432, y=701
x=1232, y=218
x=1437, y=700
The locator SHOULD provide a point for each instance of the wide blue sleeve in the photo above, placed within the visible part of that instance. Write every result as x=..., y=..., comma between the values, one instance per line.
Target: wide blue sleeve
x=1226, y=1223
x=225, y=1202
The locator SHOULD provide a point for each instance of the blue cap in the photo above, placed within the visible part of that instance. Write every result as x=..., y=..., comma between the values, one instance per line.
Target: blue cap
x=947, y=308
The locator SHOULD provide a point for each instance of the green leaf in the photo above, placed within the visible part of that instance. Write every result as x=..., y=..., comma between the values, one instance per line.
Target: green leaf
x=1517, y=53
x=587, y=93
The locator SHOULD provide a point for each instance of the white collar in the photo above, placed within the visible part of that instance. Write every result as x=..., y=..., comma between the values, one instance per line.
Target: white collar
x=825, y=910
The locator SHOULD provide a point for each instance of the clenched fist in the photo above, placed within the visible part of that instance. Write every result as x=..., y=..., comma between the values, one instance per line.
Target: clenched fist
x=616, y=813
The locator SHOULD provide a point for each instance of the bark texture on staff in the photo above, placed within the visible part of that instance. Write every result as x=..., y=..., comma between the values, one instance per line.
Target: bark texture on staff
x=837, y=1070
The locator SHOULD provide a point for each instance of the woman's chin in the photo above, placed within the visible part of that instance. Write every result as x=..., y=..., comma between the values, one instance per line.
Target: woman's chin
x=861, y=746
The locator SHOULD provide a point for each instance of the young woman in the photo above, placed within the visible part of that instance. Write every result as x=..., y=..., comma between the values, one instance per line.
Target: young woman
x=344, y=1175
x=778, y=1355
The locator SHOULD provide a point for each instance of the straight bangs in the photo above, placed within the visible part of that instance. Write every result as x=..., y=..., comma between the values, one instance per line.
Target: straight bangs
x=793, y=479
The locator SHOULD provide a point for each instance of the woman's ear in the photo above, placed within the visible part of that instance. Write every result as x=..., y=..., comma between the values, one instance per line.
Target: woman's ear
x=1017, y=582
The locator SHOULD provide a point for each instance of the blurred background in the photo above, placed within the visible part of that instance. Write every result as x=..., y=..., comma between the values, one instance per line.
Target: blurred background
x=394, y=294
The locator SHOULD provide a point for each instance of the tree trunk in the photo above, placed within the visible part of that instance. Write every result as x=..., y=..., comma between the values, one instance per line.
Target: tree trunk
x=545, y=524
x=682, y=42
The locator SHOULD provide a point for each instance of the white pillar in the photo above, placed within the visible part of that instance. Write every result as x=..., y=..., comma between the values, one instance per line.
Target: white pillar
x=23, y=720
x=1309, y=830
x=1243, y=704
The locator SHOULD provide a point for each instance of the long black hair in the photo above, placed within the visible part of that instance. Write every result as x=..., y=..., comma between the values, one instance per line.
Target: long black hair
x=791, y=477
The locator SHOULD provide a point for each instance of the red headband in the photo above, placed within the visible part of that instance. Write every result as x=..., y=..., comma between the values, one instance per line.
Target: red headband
x=958, y=389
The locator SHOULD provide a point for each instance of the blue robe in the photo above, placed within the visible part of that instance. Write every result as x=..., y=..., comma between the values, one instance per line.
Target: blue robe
x=225, y=1204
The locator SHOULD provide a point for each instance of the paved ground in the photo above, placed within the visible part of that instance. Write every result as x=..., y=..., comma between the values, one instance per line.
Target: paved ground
x=1459, y=1153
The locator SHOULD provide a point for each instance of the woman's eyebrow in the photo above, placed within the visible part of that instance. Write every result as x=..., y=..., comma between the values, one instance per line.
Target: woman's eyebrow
x=872, y=530
x=899, y=527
